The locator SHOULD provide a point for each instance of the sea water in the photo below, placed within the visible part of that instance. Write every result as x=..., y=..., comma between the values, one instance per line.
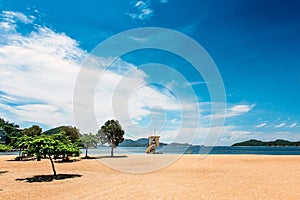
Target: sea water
x=193, y=150
x=199, y=149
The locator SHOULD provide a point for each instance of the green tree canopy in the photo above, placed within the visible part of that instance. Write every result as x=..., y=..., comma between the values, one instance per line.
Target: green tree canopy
x=112, y=133
x=49, y=146
x=34, y=130
x=22, y=143
x=11, y=130
x=88, y=140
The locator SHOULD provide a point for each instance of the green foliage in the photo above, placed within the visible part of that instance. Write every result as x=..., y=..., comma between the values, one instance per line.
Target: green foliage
x=4, y=148
x=55, y=145
x=34, y=130
x=11, y=130
x=61, y=136
x=89, y=140
x=22, y=142
x=112, y=133
x=71, y=132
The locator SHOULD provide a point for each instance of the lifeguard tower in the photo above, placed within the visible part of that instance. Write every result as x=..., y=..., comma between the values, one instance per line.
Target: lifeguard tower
x=153, y=143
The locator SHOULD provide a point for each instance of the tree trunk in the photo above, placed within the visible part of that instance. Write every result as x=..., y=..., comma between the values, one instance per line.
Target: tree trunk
x=38, y=157
x=20, y=154
x=86, y=151
x=52, y=164
x=112, y=149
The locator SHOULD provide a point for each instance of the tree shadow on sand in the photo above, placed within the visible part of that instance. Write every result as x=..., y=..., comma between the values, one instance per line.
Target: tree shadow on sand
x=48, y=178
x=67, y=161
x=21, y=159
x=88, y=157
x=99, y=157
x=3, y=172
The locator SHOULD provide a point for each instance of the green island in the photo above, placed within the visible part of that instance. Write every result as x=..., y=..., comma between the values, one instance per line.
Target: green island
x=276, y=143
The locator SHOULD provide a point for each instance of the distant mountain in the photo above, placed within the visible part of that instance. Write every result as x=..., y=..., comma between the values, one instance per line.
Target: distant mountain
x=70, y=131
x=175, y=144
x=277, y=143
x=142, y=142
x=53, y=131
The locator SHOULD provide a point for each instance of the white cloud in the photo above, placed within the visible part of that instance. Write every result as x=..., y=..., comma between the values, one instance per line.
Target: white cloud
x=239, y=110
x=11, y=16
x=235, y=111
x=141, y=10
x=293, y=125
x=140, y=5
x=261, y=125
x=38, y=73
x=40, y=113
x=280, y=125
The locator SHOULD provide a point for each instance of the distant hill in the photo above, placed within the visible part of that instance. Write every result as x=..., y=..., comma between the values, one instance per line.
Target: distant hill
x=142, y=142
x=175, y=144
x=53, y=131
x=70, y=131
x=277, y=143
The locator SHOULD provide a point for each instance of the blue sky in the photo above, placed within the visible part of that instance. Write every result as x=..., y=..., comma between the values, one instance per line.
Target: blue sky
x=255, y=45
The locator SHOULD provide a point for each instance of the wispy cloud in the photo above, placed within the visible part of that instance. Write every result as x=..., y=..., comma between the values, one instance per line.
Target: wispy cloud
x=9, y=20
x=141, y=10
x=12, y=17
x=37, y=74
x=239, y=110
x=293, y=125
x=280, y=125
x=188, y=84
x=261, y=125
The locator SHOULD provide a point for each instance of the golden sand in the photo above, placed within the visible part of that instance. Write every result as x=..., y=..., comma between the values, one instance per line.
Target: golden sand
x=190, y=177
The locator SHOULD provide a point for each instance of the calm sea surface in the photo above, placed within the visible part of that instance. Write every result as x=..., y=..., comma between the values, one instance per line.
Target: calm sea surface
x=195, y=150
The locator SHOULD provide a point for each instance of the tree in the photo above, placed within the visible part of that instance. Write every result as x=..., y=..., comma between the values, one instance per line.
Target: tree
x=22, y=143
x=34, y=130
x=72, y=132
x=48, y=146
x=112, y=133
x=88, y=140
x=11, y=130
x=68, y=149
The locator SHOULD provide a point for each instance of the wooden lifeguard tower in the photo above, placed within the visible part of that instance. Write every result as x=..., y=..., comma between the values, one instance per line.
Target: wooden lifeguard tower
x=153, y=143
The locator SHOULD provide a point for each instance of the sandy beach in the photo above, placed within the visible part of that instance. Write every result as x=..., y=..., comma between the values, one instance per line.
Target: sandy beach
x=190, y=177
